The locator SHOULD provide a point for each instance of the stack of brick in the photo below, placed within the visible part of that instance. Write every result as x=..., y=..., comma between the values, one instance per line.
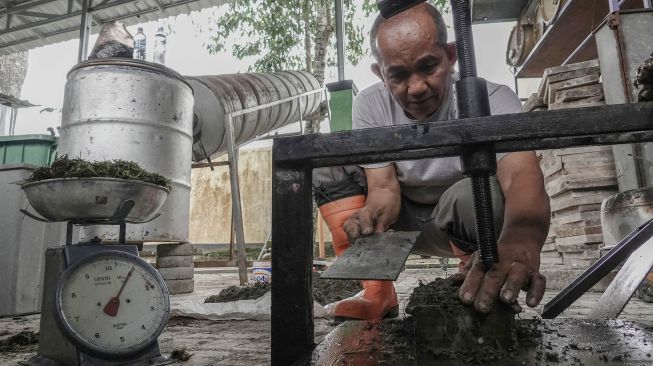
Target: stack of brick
x=577, y=181
x=569, y=86
x=175, y=264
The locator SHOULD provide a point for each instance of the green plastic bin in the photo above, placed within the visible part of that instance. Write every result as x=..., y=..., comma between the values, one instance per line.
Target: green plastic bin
x=341, y=97
x=39, y=150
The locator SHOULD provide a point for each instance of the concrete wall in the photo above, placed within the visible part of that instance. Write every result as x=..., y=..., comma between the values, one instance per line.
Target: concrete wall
x=210, y=209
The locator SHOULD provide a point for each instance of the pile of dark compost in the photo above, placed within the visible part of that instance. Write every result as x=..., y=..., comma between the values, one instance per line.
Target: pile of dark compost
x=329, y=291
x=250, y=291
x=22, y=342
x=324, y=291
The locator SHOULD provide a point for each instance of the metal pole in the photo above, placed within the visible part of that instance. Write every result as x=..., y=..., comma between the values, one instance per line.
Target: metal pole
x=12, y=121
x=340, y=39
x=237, y=209
x=299, y=103
x=514, y=75
x=84, y=31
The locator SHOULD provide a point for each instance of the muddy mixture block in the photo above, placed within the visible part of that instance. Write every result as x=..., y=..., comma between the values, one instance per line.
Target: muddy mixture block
x=445, y=327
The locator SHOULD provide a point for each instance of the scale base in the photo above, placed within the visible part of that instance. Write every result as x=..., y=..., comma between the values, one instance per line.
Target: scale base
x=84, y=360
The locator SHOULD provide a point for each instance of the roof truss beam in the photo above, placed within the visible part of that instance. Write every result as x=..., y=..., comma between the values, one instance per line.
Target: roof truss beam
x=36, y=14
x=32, y=19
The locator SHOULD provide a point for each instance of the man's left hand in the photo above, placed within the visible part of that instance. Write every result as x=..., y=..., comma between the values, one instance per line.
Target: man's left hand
x=517, y=270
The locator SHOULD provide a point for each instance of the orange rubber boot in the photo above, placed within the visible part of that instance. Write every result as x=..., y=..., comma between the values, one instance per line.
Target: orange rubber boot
x=378, y=298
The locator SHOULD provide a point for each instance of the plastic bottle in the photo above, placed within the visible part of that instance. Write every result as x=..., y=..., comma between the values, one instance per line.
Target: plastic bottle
x=160, y=47
x=139, y=45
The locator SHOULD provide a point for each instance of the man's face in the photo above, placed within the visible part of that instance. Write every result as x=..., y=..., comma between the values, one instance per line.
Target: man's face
x=412, y=65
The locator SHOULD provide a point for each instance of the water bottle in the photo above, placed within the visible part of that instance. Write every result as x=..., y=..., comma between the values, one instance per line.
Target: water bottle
x=139, y=45
x=160, y=47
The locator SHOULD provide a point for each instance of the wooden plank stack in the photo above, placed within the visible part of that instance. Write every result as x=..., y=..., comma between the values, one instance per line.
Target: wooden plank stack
x=569, y=86
x=577, y=180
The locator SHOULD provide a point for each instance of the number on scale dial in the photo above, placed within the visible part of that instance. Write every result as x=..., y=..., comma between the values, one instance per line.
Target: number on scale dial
x=112, y=303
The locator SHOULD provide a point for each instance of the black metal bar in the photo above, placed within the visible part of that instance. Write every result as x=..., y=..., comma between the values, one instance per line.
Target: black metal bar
x=69, y=233
x=462, y=24
x=479, y=160
x=292, y=336
x=500, y=147
x=522, y=129
x=122, y=233
x=597, y=271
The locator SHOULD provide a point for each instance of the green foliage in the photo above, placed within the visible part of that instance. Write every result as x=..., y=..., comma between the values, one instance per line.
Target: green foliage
x=292, y=34
x=65, y=167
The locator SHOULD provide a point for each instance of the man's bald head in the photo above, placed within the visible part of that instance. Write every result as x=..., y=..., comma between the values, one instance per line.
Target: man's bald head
x=419, y=10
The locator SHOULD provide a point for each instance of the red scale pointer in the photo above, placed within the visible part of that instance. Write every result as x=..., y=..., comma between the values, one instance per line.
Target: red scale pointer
x=111, y=308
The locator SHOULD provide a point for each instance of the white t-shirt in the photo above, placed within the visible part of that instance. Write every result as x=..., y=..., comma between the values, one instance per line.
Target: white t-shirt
x=423, y=180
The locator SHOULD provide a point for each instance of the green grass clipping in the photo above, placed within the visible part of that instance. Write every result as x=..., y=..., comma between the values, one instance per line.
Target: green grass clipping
x=65, y=167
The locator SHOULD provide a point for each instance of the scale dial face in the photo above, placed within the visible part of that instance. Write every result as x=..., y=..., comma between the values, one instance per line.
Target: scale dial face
x=112, y=304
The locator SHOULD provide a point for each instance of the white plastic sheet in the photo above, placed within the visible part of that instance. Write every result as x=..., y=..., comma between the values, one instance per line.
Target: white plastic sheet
x=258, y=309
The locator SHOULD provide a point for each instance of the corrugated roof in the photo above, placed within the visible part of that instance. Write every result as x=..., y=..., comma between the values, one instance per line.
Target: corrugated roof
x=13, y=102
x=26, y=24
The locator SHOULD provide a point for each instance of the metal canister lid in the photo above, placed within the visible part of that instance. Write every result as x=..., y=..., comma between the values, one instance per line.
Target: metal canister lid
x=131, y=63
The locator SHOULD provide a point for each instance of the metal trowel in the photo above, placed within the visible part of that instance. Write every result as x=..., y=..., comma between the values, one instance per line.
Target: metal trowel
x=379, y=256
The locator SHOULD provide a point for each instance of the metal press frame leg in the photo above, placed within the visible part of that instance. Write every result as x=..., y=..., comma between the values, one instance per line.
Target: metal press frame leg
x=598, y=271
x=625, y=284
x=292, y=337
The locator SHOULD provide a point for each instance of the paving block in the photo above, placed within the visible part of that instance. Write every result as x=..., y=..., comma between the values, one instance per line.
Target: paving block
x=174, y=261
x=549, y=248
x=577, y=209
x=545, y=260
x=534, y=102
x=577, y=247
x=583, y=103
x=180, y=286
x=579, y=93
x=585, y=254
x=578, y=219
x=177, y=273
x=577, y=229
x=166, y=250
x=565, y=183
x=579, y=239
x=604, y=168
x=569, y=84
x=556, y=70
x=572, y=262
x=576, y=198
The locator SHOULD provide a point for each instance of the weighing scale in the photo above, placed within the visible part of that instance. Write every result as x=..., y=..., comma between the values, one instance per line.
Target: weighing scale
x=102, y=305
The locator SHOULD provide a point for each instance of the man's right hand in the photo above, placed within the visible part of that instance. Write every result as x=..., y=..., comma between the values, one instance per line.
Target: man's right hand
x=360, y=223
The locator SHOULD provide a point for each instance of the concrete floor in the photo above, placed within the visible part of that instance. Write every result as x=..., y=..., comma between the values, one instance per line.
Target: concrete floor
x=243, y=343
